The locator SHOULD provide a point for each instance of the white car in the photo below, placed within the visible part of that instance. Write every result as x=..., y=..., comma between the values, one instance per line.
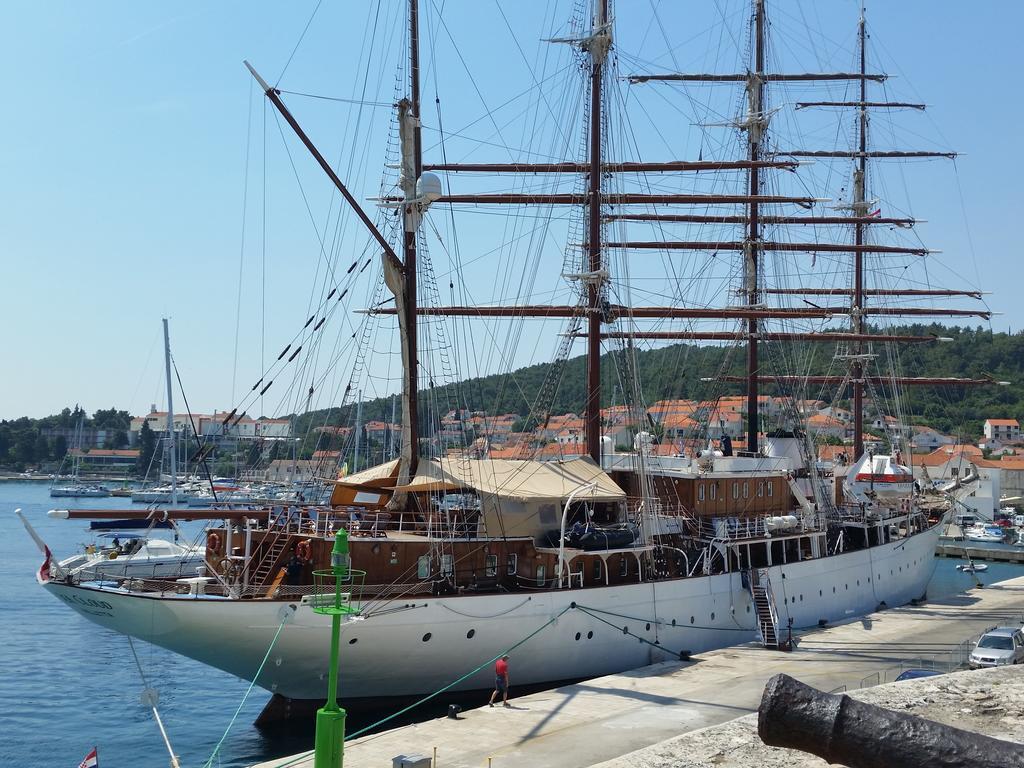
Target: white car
x=998, y=647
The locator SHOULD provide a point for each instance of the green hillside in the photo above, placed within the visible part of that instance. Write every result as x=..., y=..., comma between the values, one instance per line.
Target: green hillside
x=676, y=372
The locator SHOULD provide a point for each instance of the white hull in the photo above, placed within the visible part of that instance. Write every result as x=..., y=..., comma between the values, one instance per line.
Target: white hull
x=385, y=653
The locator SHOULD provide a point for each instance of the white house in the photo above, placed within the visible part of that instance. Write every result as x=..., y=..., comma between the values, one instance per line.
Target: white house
x=927, y=439
x=1005, y=430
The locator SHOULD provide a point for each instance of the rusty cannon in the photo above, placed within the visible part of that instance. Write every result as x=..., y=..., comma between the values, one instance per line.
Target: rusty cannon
x=842, y=730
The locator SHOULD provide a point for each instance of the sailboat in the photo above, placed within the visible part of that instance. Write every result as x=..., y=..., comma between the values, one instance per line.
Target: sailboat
x=606, y=559
x=76, y=489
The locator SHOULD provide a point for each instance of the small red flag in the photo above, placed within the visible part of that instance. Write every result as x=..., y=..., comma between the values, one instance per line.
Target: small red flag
x=44, y=569
x=876, y=212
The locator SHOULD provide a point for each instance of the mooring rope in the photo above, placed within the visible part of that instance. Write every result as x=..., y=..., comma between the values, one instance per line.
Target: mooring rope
x=300, y=757
x=216, y=750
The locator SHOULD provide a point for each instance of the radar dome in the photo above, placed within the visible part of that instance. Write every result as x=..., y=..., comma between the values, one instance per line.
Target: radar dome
x=428, y=188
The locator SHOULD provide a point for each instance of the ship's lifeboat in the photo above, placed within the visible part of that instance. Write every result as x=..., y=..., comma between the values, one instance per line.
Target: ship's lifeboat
x=881, y=477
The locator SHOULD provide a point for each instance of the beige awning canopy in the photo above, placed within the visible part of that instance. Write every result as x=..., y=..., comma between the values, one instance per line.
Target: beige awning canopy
x=513, y=479
x=380, y=476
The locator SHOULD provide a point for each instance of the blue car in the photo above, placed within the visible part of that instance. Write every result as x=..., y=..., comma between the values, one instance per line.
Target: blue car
x=913, y=674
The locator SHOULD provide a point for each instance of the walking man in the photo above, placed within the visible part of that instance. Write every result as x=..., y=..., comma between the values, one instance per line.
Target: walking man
x=500, y=681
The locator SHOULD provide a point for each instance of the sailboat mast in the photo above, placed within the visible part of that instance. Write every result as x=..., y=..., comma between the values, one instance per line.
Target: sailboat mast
x=409, y=241
x=170, y=417
x=859, y=211
x=598, y=48
x=756, y=124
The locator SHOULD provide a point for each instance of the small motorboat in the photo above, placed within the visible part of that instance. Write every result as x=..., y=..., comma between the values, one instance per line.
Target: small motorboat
x=130, y=555
x=990, y=534
x=972, y=567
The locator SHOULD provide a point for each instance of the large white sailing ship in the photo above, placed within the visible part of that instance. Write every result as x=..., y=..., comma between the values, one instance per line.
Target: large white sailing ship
x=616, y=558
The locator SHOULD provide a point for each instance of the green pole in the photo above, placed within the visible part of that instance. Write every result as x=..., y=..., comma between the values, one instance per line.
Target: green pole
x=329, y=743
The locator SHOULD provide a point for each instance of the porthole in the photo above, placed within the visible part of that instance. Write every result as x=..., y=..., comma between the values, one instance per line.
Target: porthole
x=748, y=609
x=820, y=593
x=469, y=635
x=691, y=619
x=578, y=635
x=353, y=641
x=846, y=586
x=426, y=637
x=833, y=590
x=801, y=598
x=648, y=627
x=673, y=622
x=625, y=630
x=590, y=635
x=712, y=615
x=858, y=582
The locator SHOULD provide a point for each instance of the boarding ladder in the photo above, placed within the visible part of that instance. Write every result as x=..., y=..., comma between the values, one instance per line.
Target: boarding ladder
x=764, y=606
x=270, y=560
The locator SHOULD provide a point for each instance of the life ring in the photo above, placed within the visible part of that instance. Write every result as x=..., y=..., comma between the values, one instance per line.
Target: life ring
x=304, y=550
x=213, y=542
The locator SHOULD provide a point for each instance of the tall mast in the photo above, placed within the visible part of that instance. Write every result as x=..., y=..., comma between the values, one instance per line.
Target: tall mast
x=597, y=45
x=409, y=240
x=859, y=210
x=170, y=417
x=755, y=125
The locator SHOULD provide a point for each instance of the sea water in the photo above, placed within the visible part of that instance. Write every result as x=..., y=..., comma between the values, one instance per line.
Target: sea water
x=67, y=685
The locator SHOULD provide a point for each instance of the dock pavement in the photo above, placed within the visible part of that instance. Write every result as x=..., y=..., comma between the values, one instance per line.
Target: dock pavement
x=606, y=718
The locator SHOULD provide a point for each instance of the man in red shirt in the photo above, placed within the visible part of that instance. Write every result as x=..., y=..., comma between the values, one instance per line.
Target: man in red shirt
x=500, y=681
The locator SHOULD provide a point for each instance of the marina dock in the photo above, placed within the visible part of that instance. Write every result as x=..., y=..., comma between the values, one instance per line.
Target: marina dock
x=979, y=552
x=605, y=718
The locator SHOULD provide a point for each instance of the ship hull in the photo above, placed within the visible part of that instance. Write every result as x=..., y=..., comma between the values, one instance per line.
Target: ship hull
x=417, y=646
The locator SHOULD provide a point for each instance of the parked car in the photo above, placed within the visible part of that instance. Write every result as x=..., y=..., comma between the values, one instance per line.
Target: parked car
x=998, y=647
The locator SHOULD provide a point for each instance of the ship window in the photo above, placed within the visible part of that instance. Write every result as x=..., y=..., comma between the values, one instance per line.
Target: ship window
x=771, y=487
x=513, y=564
x=469, y=635
x=746, y=489
x=598, y=570
x=491, y=565
x=735, y=489
x=578, y=635
x=714, y=491
x=540, y=575
x=590, y=635
x=426, y=637
x=447, y=568
x=423, y=567
x=760, y=489
x=700, y=492
x=623, y=566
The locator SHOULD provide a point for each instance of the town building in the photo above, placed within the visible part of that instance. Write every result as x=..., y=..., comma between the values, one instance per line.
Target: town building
x=1004, y=430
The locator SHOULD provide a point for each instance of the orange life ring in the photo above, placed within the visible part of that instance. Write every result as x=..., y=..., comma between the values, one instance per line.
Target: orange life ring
x=213, y=542
x=304, y=550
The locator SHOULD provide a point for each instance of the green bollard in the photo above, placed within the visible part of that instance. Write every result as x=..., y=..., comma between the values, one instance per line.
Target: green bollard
x=329, y=743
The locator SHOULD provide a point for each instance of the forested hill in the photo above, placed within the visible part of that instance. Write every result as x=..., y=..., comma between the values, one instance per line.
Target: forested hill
x=676, y=372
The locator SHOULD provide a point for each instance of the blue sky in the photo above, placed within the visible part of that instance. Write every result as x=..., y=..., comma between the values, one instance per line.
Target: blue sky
x=124, y=163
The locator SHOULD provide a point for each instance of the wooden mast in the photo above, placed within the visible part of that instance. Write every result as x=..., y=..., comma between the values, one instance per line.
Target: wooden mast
x=859, y=210
x=756, y=125
x=597, y=45
x=409, y=244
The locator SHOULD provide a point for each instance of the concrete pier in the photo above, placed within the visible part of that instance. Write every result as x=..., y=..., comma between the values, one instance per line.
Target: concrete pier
x=605, y=718
x=980, y=553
